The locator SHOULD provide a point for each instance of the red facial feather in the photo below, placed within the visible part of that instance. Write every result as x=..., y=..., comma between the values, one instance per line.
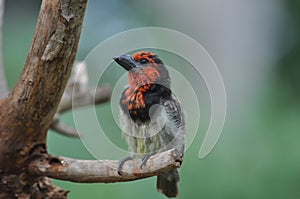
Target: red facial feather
x=140, y=81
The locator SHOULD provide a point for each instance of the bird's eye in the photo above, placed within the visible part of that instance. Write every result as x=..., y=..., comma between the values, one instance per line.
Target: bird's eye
x=143, y=61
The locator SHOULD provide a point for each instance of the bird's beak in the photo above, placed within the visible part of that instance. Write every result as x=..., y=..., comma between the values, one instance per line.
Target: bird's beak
x=125, y=61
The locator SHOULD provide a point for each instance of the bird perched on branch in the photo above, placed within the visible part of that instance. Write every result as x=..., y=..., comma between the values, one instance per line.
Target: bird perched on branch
x=151, y=117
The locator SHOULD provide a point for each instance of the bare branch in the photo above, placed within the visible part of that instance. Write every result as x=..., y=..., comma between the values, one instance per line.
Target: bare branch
x=3, y=83
x=78, y=94
x=90, y=97
x=86, y=171
x=62, y=128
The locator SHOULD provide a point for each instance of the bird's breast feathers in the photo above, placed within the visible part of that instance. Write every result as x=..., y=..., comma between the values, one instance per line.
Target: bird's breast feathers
x=159, y=133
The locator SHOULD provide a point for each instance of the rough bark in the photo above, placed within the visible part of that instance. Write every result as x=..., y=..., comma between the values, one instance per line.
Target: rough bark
x=27, y=112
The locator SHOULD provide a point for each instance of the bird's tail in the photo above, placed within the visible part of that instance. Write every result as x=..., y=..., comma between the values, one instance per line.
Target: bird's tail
x=167, y=183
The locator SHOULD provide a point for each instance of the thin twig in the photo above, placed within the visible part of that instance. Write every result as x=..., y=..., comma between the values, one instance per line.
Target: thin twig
x=63, y=129
x=87, y=171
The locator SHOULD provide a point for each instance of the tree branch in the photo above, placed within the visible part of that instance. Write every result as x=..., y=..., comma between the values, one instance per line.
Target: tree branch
x=27, y=112
x=62, y=128
x=86, y=171
x=78, y=93
x=90, y=97
x=3, y=83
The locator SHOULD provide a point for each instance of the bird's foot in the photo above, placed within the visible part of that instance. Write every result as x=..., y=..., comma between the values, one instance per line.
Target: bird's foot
x=121, y=163
x=145, y=159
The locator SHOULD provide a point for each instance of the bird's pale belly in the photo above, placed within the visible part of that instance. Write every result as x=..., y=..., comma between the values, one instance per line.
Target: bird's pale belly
x=147, y=145
x=150, y=138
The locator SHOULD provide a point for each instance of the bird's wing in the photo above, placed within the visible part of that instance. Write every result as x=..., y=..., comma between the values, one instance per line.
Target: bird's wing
x=174, y=111
x=176, y=116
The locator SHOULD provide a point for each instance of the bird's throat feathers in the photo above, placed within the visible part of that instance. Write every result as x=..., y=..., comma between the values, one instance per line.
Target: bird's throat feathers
x=139, y=78
x=140, y=82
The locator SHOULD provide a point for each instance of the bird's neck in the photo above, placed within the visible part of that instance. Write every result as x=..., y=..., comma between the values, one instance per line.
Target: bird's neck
x=137, y=102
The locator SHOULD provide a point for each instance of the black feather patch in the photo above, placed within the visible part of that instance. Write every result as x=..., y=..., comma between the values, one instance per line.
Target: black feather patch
x=151, y=96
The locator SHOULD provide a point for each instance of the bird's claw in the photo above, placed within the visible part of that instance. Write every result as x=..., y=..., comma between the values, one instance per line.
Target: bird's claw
x=121, y=163
x=145, y=159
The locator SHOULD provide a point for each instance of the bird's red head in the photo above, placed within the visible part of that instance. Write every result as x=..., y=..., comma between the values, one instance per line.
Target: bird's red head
x=144, y=68
x=148, y=81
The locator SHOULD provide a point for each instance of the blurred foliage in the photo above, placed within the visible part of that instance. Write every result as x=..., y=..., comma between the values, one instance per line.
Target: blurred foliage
x=256, y=157
x=289, y=70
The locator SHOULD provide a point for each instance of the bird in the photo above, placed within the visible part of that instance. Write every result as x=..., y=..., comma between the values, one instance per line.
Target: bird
x=151, y=116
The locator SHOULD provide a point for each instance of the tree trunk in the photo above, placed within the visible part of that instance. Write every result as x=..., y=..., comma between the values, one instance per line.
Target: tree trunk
x=27, y=112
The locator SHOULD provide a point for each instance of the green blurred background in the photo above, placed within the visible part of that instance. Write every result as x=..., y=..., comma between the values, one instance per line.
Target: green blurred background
x=256, y=45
